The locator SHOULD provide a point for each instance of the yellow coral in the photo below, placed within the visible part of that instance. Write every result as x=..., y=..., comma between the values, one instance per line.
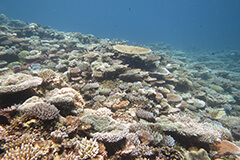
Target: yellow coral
x=131, y=49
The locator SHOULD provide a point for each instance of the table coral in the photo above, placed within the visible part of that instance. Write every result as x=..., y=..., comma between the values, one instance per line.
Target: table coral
x=131, y=49
x=207, y=131
x=19, y=82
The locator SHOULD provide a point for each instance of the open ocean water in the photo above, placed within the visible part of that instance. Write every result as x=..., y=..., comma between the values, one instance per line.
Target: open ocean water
x=206, y=24
x=129, y=79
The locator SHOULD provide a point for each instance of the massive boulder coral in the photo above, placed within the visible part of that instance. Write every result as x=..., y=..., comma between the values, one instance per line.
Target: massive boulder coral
x=108, y=69
x=66, y=99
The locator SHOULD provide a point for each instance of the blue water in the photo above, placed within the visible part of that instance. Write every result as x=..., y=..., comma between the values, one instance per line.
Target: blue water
x=207, y=24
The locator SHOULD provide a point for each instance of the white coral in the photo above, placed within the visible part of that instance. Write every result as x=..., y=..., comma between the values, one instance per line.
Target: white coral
x=207, y=131
x=87, y=148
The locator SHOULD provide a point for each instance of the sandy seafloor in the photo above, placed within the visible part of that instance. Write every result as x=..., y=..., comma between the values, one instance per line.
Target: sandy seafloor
x=72, y=96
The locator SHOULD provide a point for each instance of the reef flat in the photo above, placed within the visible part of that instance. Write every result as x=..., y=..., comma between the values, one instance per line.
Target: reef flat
x=66, y=96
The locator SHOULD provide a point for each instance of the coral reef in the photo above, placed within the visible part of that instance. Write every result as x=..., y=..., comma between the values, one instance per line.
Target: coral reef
x=75, y=96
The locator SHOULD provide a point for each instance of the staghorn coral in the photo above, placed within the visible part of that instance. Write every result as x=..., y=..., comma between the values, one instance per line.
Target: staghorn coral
x=86, y=148
x=23, y=152
x=21, y=148
x=144, y=133
x=71, y=156
x=82, y=149
x=157, y=137
x=12, y=141
x=28, y=147
x=6, y=114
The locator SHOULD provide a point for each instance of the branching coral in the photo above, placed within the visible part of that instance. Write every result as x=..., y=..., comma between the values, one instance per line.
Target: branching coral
x=23, y=152
x=26, y=147
x=86, y=148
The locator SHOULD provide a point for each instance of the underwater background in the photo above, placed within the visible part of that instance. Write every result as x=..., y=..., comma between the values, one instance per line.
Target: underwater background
x=205, y=24
x=135, y=80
